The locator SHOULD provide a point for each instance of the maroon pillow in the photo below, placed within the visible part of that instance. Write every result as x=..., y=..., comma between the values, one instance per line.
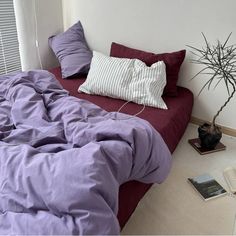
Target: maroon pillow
x=172, y=61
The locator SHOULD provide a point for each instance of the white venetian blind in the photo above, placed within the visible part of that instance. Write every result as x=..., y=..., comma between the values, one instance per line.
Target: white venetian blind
x=9, y=46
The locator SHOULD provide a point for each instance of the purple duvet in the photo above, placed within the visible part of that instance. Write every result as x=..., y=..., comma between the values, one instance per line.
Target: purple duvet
x=63, y=159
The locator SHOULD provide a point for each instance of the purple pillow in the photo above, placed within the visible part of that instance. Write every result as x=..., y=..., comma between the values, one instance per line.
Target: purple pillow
x=72, y=51
x=173, y=62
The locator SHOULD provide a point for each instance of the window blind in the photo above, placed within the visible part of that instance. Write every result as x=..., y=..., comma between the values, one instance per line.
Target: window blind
x=9, y=46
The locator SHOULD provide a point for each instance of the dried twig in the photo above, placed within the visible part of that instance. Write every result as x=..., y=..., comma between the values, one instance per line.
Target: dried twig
x=220, y=63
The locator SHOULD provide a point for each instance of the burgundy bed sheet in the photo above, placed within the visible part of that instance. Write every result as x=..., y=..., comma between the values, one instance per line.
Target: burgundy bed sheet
x=170, y=123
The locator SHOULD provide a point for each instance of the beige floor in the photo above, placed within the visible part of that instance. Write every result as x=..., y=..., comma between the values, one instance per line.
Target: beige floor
x=175, y=208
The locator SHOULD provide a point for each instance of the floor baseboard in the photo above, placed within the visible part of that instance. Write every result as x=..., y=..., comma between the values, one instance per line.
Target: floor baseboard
x=225, y=130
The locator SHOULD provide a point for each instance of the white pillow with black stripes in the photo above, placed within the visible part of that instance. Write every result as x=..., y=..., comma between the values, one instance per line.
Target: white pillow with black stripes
x=127, y=79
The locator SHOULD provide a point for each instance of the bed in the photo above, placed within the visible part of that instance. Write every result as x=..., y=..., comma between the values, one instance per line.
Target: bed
x=171, y=124
x=63, y=159
x=72, y=164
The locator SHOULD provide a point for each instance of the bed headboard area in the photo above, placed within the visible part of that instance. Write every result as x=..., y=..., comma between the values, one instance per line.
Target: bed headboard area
x=160, y=26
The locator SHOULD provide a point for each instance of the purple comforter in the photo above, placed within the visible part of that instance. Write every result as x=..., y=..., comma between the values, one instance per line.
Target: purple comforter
x=63, y=159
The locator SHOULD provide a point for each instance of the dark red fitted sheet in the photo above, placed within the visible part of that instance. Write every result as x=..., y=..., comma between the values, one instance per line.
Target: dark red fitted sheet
x=170, y=123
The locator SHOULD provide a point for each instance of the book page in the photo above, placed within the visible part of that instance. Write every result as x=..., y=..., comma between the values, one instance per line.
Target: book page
x=230, y=176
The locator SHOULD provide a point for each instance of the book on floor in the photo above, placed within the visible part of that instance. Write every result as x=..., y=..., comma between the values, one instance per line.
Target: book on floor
x=207, y=186
x=230, y=178
x=196, y=144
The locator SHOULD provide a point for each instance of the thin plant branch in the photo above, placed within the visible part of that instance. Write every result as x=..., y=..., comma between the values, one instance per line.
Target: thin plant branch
x=219, y=62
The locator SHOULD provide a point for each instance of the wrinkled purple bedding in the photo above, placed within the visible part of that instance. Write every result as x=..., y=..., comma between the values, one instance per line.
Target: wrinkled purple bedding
x=62, y=159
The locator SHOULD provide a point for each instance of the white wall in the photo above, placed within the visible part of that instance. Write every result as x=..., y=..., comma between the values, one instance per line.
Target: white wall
x=49, y=21
x=161, y=26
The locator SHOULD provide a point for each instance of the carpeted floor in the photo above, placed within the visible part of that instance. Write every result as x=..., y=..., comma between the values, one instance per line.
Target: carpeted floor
x=174, y=207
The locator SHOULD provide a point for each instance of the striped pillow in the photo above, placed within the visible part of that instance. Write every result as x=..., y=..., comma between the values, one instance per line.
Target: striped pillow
x=128, y=79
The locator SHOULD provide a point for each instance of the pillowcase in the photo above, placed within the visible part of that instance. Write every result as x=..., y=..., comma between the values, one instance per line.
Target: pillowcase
x=173, y=62
x=72, y=51
x=128, y=79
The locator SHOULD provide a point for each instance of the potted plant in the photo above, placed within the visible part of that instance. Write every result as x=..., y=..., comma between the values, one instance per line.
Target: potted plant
x=219, y=62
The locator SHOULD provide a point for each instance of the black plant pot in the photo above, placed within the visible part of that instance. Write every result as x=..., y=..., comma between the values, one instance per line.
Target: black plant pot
x=209, y=137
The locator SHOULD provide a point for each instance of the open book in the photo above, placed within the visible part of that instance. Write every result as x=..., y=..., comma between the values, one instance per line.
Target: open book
x=230, y=178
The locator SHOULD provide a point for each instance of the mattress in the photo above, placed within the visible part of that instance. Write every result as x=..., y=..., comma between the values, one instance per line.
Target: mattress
x=170, y=123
